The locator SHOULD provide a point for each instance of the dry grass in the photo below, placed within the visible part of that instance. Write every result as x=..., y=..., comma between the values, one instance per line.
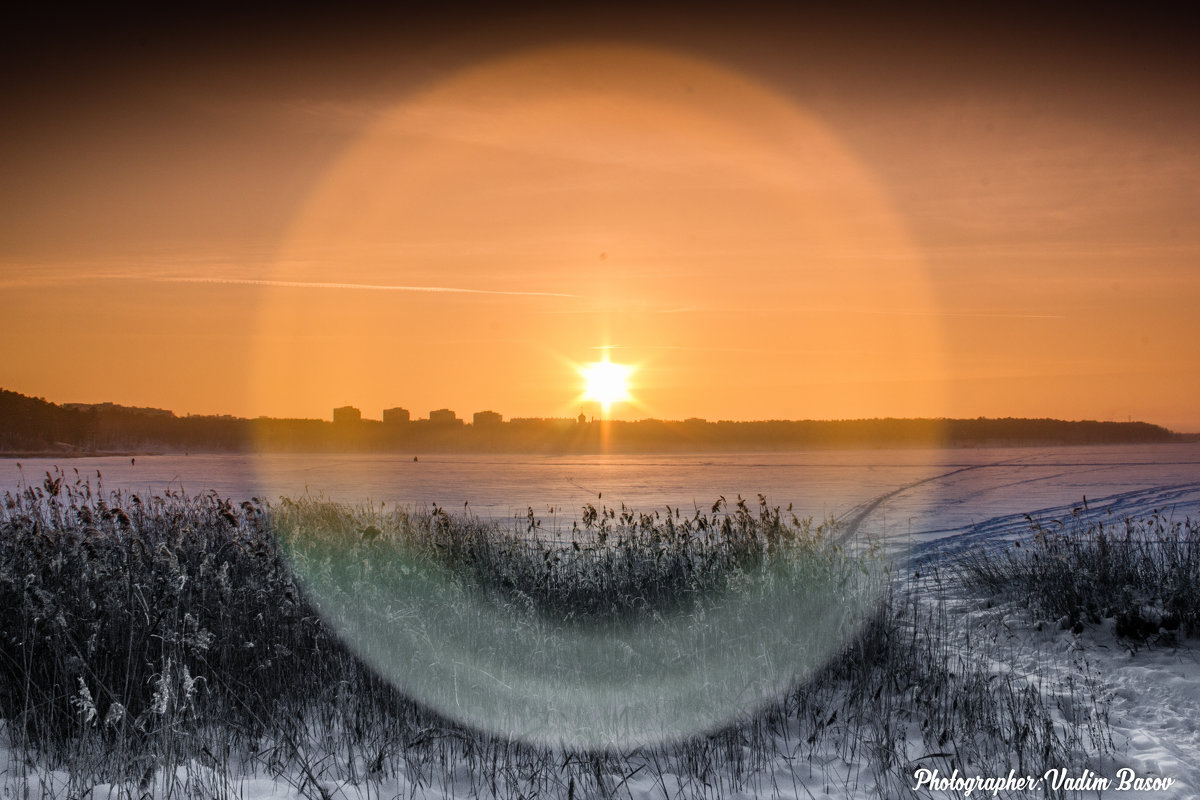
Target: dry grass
x=1144, y=573
x=162, y=645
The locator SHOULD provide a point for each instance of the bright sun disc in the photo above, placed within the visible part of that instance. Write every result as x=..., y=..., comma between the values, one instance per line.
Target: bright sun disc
x=606, y=382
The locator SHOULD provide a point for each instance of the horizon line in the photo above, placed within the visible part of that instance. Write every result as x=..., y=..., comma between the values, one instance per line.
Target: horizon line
x=593, y=418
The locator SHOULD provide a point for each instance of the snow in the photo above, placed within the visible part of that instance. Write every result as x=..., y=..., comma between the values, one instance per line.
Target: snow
x=1152, y=692
x=1155, y=725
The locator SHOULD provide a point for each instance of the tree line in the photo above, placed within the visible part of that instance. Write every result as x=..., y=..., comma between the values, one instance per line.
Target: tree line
x=33, y=425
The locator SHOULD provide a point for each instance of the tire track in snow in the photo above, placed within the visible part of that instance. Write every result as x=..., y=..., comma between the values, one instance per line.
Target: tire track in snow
x=853, y=518
x=1175, y=502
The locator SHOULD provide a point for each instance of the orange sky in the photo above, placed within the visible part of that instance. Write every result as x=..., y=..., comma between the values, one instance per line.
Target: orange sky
x=782, y=218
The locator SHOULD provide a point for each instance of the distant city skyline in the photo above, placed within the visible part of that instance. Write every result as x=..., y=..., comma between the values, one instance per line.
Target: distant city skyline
x=31, y=426
x=401, y=415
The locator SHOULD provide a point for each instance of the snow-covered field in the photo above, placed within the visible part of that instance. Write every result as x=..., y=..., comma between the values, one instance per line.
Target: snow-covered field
x=1148, y=695
x=1152, y=695
x=948, y=490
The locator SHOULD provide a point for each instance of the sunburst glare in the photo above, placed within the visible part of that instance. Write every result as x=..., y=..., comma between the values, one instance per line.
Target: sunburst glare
x=606, y=383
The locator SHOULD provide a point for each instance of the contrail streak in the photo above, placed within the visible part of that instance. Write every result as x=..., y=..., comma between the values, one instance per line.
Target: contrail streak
x=360, y=286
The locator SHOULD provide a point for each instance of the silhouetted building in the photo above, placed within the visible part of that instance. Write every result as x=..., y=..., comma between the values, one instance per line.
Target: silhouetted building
x=484, y=418
x=444, y=416
x=104, y=408
x=581, y=419
x=396, y=415
x=347, y=414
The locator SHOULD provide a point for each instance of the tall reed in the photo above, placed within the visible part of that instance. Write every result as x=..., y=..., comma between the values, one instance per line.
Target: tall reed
x=161, y=645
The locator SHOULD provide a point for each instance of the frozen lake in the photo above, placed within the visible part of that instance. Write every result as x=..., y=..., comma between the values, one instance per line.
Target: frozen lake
x=920, y=494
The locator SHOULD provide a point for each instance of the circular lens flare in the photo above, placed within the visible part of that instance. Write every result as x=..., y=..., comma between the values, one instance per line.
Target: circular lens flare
x=748, y=257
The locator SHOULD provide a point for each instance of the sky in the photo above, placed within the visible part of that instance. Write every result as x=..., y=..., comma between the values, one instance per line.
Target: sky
x=767, y=214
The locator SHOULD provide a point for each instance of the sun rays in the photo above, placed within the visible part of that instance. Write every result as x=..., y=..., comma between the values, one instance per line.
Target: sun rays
x=606, y=383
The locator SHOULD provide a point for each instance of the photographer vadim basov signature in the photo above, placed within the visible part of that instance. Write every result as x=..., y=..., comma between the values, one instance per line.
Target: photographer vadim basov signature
x=1125, y=780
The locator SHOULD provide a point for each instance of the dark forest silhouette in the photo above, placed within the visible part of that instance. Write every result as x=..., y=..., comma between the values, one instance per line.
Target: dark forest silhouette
x=32, y=425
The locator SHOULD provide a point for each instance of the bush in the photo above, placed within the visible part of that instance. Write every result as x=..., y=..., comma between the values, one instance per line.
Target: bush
x=1142, y=573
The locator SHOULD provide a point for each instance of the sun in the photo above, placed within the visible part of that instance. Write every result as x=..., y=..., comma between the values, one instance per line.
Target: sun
x=606, y=383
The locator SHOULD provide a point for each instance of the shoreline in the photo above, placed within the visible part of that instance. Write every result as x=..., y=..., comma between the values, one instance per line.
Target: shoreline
x=90, y=454
x=551, y=452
